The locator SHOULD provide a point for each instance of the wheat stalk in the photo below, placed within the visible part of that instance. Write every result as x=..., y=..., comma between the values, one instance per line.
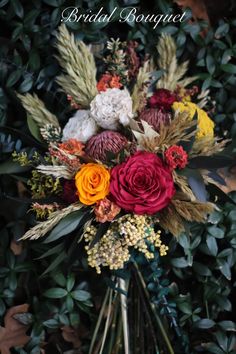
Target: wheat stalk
x=78, y=63
x=42, y=228
x=37, y=110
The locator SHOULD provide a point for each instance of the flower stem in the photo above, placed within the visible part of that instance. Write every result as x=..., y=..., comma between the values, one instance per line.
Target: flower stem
x=153, y=308
x=123, y=298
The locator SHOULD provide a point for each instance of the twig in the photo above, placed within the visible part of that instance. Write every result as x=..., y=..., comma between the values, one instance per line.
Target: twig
x=99, y=322
x=107, y=321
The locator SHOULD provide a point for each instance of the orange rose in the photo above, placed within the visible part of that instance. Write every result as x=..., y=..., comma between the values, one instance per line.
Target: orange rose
x=92, y=183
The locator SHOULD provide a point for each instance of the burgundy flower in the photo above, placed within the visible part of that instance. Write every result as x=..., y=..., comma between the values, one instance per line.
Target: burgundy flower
x=155, y=117
x=69, y=192
x=176, y=157
x=142, y=184
x=162, y=99
x=98, y=146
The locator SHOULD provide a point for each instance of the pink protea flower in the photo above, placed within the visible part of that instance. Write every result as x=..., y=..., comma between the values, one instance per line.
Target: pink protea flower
x=155, y=117
x=107, y=141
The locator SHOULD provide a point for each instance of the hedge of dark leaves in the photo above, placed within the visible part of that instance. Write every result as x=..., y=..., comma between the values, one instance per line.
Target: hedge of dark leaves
x=197, y=278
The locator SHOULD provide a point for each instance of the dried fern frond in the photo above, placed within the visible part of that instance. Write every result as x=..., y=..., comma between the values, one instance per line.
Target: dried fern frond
x=42, y=228
x=78, y=63
x=171, y=221
x=181, y=128
x=207, y=146
x=181, y=182
x=141, y=87
x=203, y=98
x=192, y=210
x=56, y=171
x=167, y=61
x=37, y=110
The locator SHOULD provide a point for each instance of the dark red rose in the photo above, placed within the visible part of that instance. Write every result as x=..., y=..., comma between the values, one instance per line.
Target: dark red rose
x=162, y=99
x=69, y=192
x=142, y=184
x=176, y=157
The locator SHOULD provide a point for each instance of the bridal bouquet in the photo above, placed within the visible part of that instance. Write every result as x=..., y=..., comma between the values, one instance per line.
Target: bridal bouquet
x=134, y=161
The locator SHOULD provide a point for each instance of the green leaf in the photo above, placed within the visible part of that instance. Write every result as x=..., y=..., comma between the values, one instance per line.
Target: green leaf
x=227, y=325
x=34, y=60
x=212, y=245
x=225, y=269
x=11, y=167
x=80, y=295
x=210, y=62
x=26, y=85
x=221, y=31
x=74, y=319
x=34, y=128
x=69, y=303
x=57, y=249
x=201, y=269
x=60, y=279
x=205, y=323
x=209, y=162
x=229, y=68
x=70, y=282
x=55, y=293
x=18, y=8
x=65, y=226
x=51, y=323
x=179, y=262
x=13, y=78
x=55, y=263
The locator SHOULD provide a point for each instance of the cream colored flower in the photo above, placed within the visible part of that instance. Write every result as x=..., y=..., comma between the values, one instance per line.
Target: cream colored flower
x=111, y=108
x=80, y=127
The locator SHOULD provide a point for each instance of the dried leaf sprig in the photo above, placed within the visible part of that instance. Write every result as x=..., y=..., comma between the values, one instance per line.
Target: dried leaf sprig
x=42, y=228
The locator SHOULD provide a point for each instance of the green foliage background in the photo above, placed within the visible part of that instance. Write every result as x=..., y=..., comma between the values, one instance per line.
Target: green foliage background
x=199, y=272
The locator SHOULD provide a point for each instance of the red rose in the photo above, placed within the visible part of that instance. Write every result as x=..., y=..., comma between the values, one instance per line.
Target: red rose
x=176, y=157
x=163, y=99
x=142, y=184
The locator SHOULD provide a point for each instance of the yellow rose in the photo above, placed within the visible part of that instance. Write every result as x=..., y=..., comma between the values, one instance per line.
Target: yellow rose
x=205, y=124
x=92, y=183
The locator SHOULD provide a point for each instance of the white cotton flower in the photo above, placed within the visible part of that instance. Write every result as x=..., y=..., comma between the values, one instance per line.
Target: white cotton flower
x=80, y=127
x=111, y=108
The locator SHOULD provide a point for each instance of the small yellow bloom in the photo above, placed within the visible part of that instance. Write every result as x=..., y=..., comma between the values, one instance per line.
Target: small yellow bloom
x=205, y=124
x=92, y=183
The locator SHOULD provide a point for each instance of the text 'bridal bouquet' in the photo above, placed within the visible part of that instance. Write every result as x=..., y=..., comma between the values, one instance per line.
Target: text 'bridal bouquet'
x=134, y=164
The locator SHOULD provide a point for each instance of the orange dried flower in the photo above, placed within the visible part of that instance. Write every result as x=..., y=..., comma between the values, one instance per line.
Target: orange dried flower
x=73, y=147
x=108, y=81
x=106, y=210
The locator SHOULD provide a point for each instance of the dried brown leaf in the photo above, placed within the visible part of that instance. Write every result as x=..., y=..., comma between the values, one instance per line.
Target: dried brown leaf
x=13, y=334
